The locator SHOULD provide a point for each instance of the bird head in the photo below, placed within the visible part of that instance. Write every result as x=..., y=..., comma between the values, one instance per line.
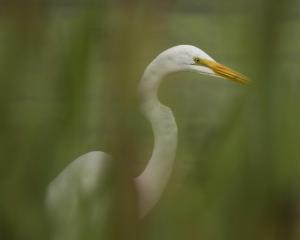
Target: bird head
x=190, y=58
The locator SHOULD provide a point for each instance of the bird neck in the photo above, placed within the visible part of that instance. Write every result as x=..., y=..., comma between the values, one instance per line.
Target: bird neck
x=153, y=180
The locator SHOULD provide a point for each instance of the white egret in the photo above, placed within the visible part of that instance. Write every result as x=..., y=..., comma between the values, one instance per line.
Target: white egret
x=83, y=177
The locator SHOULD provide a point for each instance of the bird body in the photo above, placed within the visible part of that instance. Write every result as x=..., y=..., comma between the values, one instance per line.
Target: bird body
x=83, y=177
x=77, y=195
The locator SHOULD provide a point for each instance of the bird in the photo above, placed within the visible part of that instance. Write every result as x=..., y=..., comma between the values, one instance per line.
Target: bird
x=84, y=176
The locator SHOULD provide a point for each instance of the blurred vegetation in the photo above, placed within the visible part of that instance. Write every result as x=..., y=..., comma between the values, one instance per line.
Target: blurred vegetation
x=69, y=71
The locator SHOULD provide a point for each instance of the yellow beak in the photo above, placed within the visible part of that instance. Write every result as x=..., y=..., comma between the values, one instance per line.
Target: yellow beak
x=225, y=72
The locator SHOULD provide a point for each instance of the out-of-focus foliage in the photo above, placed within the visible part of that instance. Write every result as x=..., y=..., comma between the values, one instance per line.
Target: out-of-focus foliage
x=68, y=77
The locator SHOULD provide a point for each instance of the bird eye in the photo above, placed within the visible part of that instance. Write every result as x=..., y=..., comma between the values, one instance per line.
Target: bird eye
x=197, y=60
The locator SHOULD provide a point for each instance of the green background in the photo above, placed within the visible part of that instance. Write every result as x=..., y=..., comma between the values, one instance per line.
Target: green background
x=69, y=71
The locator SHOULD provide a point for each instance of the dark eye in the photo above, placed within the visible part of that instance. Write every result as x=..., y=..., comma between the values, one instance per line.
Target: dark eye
x=197, y=60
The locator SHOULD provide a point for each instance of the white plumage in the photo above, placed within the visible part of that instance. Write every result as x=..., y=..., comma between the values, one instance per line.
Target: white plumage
x=74, y=198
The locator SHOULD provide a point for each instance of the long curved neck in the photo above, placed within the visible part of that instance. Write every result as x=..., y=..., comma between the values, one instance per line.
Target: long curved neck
x=152, y=181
